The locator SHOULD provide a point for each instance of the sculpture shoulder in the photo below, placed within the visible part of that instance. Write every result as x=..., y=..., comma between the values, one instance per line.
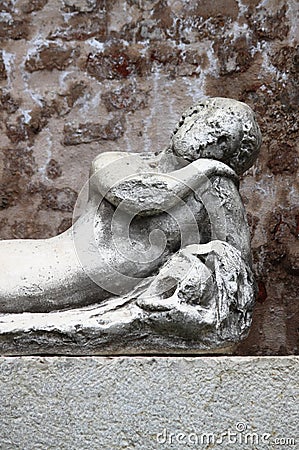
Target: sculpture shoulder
x=105, y=159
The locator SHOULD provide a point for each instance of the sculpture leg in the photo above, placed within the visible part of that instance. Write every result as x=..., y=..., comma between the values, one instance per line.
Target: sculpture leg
x=42, y=275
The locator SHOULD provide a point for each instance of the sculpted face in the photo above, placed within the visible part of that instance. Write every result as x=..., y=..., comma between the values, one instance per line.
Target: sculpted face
x=218, y=129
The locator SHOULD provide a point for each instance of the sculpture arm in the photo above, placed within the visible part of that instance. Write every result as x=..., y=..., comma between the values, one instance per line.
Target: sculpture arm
x=212, y=281
x=146, y=192
x=227, y=215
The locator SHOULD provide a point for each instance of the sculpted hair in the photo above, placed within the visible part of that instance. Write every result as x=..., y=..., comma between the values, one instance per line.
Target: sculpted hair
x=218, y=128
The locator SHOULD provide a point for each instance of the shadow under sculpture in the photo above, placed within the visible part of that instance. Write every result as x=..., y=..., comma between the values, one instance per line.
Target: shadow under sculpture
x=159, y=259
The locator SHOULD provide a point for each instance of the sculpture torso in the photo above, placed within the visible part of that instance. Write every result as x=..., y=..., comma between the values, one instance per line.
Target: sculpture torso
x=163, y=239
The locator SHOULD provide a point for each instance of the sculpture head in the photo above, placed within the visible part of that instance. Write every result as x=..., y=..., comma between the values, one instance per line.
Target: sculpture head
x=218, y=128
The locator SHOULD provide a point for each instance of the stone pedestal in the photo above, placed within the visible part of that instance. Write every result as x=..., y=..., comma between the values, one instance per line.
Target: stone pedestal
x=148, y=403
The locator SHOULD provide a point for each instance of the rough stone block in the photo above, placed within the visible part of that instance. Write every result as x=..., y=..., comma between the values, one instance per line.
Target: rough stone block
x=148, y=403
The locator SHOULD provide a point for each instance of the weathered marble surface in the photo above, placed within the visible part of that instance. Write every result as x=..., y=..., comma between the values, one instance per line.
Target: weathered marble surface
x=145, y=403
x=158, y=261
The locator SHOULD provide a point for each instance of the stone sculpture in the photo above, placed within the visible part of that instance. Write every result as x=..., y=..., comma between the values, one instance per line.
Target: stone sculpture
x=158, y=262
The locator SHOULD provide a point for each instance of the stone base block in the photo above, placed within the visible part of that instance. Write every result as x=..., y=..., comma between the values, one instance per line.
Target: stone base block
x=111, y=403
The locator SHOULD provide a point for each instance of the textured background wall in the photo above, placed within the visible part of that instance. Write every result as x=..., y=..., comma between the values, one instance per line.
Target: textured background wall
x=79, y=77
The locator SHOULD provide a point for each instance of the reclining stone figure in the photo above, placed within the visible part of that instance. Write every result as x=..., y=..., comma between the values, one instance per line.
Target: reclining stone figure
x=160, y=258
